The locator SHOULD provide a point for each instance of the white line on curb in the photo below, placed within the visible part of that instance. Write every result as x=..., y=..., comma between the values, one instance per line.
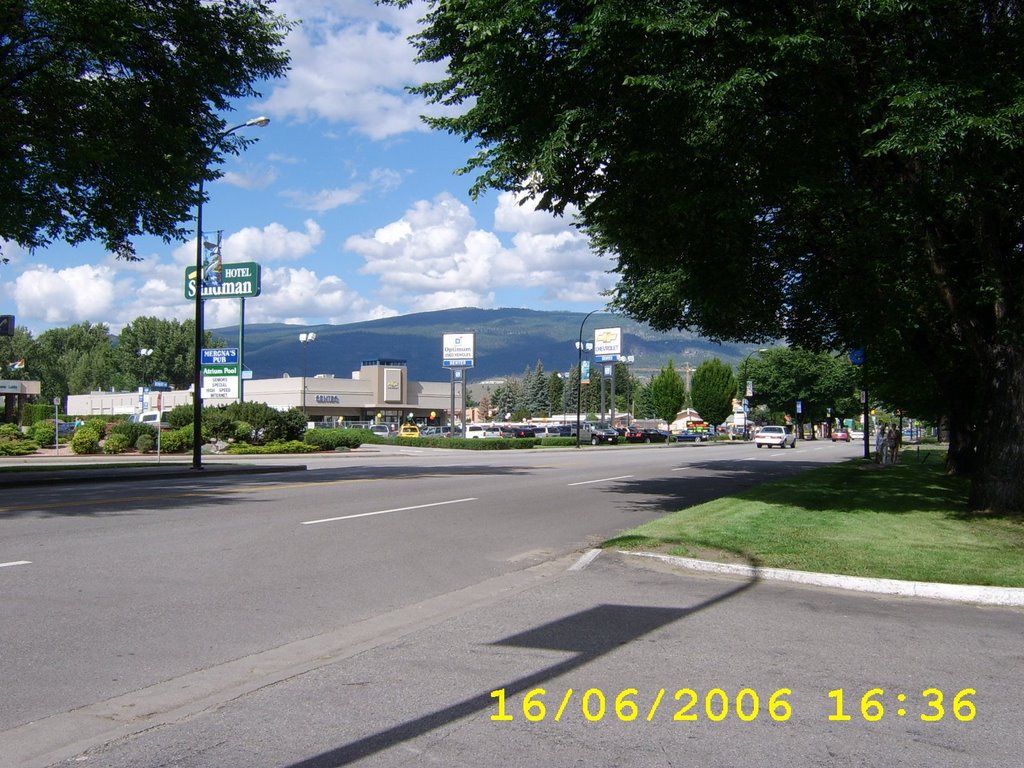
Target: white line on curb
x=585, y=560
x=963, y=593
x=386, y=511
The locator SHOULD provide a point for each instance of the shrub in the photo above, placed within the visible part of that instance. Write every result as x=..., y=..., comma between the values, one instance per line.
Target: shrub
x=34, y=412
x=115, y=443
x=15, y=443
x=131, y=431
x=146, y=443
x=43, y=432
x=243, y=431
x=177, y=440
x=331, y=439
x=85, y=441
x=98, y=425
x=289, y=446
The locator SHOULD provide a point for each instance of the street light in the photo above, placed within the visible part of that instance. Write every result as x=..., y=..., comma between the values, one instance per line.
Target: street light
x=197, y=374
x=305, y=339
x=144, y=353
x=579, y=377
x=750, y=391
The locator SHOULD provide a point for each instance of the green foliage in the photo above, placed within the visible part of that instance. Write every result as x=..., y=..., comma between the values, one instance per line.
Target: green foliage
x=268, y=424
x=43, y=432
x=712, y=389
x=172, y=358
x=117, y=442
x=34, y=412
x=85, y=441
x=330, y=439
x=820, y=381
x=180, y=416
x=131, y=431
x=277, y=446
x=667, y=392
x=13, y=442
x=97, y=424
x=176, y=440
x=145, y=443
x=142, y=100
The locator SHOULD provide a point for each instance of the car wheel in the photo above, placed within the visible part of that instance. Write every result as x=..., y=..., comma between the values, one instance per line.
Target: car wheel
x=759, y=445
x=698, y=439
x=593, y=441
x=647, y=439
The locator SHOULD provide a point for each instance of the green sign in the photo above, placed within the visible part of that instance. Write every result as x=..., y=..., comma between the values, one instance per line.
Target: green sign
x=241, y=280
x=220, y=370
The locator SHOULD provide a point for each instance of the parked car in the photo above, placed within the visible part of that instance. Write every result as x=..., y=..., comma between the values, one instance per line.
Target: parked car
x=690, y=436
x=600, y=432
x=64, y=428
x=482, y=430
x=856, y=434
x=554, y=430
x=524, y=430
x=841, y=434
x=784, y=437
x=636, y=434
x=409, y=430
x=383, y=430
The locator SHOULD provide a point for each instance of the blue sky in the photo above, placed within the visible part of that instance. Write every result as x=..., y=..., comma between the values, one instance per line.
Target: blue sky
x=347, y=201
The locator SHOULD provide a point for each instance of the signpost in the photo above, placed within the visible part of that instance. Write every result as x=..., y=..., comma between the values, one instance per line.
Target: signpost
x=457, y=355
x=236, y=281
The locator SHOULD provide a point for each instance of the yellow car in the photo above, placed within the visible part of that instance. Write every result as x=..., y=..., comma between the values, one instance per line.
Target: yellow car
x=409, y=430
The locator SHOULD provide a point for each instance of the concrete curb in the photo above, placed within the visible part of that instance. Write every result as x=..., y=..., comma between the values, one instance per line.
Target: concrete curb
x=964, y=593
x=137, y=474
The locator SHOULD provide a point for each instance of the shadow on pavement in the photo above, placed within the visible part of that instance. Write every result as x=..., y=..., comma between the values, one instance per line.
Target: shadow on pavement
x=590, y=634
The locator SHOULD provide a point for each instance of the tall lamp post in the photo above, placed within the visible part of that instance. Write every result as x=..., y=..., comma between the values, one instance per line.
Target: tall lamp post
x=197, y=374
x=305, y=339
x=144, y=353
x=579, y=377
x=749, y=392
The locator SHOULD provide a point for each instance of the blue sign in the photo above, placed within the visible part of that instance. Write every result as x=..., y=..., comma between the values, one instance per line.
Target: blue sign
x=607, y=358
x=220, y=357
x=458, y=363
x=857, y=356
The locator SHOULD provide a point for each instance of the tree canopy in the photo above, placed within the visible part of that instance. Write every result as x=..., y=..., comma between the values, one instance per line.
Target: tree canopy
x=712, y=389
x=840, y=175
x=112, y=111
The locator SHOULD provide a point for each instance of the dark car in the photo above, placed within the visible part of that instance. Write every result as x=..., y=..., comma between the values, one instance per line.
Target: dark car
x=523, y=430
x=691, y=437
x=646, y=435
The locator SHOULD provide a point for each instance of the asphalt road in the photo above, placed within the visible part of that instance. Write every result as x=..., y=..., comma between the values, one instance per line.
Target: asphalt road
x=363, y=611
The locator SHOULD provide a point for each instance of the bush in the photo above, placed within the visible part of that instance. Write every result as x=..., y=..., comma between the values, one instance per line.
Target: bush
x=85, y=441
x=177, y=440
x=243, y=431
x=34, y=412
x=13, y=442
x=146, y=443
x=289, y=446
x=332, y=439
x=43, y=432
x=115, y=443
x=131, y=431
x=98, y=425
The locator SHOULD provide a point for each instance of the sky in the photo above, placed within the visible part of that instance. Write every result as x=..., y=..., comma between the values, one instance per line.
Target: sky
x=348, y=202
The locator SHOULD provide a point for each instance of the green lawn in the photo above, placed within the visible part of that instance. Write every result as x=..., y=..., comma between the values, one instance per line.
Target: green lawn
x=857, y=518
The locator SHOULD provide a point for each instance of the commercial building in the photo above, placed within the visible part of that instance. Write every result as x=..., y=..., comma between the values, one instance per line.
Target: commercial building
x=380, y=391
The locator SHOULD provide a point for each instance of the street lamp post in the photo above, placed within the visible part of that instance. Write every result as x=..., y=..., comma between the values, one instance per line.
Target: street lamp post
x=749, y=392
x=305, y=339
x=579, y=377
x=144, y=353
x=197, y=374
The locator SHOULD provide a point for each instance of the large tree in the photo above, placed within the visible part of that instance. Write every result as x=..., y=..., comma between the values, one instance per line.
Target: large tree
x=112, y=111
x=712, y=390
x=667, y=392
x=841, y=174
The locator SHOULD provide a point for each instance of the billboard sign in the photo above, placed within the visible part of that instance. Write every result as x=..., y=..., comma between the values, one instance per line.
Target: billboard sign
x=458, y=350
x=237, y=281
x=608, y=342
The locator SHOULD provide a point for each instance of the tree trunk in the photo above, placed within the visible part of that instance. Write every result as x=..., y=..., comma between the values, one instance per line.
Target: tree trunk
x=997, y=483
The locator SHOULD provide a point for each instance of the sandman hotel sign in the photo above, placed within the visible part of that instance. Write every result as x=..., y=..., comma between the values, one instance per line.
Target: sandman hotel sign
x=238, y=281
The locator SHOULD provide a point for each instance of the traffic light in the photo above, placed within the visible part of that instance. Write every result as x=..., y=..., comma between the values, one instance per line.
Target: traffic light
x=6, y=325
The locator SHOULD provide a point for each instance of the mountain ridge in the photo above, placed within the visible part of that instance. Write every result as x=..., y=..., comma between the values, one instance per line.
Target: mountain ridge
x=507, y=341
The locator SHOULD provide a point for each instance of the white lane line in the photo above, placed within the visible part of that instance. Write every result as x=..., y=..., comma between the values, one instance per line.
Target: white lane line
x=16, y=562
x=585, y=560
x=386, y=511
x=602, y=480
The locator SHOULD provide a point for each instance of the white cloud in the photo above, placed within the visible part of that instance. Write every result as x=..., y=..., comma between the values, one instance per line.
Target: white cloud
x=66, y=296
x=274, y=242
x=351, y=63
x=250, y=178
x=302, y=296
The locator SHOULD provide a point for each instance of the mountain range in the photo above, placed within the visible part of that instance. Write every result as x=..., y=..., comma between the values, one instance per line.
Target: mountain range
x=506, y=343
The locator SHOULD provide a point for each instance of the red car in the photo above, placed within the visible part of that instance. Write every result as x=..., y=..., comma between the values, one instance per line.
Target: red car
x=840, y=434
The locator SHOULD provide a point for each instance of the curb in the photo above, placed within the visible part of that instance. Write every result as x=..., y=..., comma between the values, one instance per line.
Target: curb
x=137, y=474
x=963, y=593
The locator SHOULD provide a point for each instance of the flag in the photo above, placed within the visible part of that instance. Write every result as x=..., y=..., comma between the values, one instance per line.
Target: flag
x=17, y=365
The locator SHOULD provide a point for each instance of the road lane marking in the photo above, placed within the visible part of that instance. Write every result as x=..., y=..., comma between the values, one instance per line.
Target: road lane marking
x=16, y=562
x=386, y=511
x=602, y=480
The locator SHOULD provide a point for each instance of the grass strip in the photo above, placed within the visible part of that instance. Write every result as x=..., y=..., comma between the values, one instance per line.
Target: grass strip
x=908, y=521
